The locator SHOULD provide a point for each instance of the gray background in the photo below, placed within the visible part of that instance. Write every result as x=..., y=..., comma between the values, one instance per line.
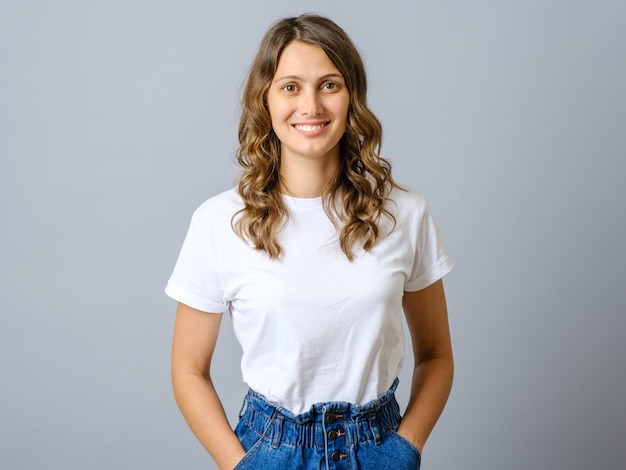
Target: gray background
x=118, y=118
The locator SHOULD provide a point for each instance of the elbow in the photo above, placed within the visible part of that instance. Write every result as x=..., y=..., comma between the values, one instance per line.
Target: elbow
x=184, y=378
x=441, y=363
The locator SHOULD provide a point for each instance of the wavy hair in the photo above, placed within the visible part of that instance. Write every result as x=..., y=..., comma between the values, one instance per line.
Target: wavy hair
x=355, y=198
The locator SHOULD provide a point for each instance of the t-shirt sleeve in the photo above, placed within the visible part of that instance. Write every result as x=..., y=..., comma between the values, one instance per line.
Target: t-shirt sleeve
x=195, y=280
x=431, y=261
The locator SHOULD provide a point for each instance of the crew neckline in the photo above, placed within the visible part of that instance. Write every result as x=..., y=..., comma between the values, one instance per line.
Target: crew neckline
x=303, y=203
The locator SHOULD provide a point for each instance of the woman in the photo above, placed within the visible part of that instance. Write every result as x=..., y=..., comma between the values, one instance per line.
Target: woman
x=315, y=254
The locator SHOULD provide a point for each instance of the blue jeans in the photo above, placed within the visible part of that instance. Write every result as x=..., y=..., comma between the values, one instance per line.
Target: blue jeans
x=330, y=436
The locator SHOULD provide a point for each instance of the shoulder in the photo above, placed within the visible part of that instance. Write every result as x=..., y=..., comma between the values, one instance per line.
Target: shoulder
x=405, y=201
x=226, y=201
x=218, y=209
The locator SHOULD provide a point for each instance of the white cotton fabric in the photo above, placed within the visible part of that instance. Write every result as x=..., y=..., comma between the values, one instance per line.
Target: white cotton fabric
x=314, y=327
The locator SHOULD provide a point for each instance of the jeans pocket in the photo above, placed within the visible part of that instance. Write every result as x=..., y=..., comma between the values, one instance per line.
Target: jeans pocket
x=248, y=459
x=406, y=444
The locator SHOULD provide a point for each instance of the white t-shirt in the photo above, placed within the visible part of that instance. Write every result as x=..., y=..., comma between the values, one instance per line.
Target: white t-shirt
x=314, y=327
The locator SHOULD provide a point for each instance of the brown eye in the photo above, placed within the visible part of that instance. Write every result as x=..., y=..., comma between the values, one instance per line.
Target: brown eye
x=289, y=88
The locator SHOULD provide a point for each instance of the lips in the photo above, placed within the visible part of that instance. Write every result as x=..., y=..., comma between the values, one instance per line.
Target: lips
x=310, y=127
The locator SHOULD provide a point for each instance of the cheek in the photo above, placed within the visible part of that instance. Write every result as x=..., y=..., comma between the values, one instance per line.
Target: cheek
x=272, y=107
x=278, y=112
x=342, y=111
x=341, y=107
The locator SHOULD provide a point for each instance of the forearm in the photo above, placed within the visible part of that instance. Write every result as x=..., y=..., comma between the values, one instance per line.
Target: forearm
x=430, y=387
x=204, y=413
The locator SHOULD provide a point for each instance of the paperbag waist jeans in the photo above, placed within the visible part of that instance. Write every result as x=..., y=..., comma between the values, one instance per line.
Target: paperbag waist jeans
x=330, y=436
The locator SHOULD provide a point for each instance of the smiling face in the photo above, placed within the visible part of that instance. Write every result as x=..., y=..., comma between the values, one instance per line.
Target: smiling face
x=308, y=104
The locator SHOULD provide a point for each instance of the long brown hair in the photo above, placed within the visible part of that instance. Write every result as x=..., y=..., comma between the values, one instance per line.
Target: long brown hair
x=355, y=198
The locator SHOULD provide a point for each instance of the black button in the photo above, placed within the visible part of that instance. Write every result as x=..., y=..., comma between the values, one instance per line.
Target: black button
x=335, y=456
x=332, y=435
x=331, y=418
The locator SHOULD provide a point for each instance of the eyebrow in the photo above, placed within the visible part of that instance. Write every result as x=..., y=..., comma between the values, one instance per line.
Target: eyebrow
x=296, y=77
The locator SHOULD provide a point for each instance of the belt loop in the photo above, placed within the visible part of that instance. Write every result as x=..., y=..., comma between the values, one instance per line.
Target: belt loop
x=278, y=431
x=375, y=429
x=244, y=407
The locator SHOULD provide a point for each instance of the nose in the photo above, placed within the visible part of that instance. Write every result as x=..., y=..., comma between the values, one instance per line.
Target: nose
x=311, y=103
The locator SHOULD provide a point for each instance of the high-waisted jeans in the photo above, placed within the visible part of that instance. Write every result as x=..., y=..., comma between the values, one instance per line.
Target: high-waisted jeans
x=330, y=436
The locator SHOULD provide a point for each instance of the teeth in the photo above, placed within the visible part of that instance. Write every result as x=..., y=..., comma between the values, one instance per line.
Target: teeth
x=302, y=127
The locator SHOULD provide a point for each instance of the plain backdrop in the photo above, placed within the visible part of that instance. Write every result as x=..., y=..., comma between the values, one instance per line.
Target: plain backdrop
x=118, y=118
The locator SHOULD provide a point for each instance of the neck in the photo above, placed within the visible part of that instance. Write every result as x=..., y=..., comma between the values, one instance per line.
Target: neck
x=306, y=190
x=307, y=179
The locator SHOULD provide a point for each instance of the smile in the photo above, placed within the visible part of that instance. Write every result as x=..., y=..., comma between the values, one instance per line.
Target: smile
x=309, y=127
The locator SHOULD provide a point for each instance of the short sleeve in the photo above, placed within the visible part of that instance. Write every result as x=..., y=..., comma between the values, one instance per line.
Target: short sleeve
x=431, y=261
x=195, y=280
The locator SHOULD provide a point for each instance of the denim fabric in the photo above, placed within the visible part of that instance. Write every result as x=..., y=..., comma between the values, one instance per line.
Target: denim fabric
x=330, y=436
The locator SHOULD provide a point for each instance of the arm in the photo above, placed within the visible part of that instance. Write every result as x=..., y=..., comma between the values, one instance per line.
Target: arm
x=427, y=319
x=195, y=336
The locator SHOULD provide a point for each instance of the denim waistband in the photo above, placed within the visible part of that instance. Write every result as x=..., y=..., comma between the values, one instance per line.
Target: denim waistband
x=359, y=423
